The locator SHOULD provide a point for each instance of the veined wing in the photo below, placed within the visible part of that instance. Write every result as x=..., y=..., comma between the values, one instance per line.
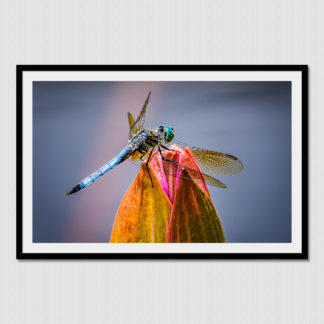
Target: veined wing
x=214, y=162
x=135, y=126
x=189, y=174
x=171, y=168
x=131, y=121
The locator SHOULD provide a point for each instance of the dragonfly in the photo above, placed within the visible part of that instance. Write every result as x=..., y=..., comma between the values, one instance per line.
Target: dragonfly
x=144, y=142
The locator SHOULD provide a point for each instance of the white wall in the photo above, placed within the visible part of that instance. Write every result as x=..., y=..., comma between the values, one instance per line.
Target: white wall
x=155, y=32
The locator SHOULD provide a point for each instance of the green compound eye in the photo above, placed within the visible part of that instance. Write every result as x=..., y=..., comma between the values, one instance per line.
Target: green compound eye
x=169, y=134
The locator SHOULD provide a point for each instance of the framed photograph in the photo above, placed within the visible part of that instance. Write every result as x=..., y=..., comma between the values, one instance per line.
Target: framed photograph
x=162, y=162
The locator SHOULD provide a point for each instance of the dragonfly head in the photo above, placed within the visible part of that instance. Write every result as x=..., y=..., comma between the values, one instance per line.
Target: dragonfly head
x=167, y=133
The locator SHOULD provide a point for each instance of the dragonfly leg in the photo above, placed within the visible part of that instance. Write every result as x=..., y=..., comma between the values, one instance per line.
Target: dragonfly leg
x=148, y=159
x=163, y=158
x=141, y=158
x=166, y=148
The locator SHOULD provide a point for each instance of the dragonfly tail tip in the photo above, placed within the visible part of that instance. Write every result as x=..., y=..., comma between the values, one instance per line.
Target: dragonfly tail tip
x=68, y=193
x=73, y=190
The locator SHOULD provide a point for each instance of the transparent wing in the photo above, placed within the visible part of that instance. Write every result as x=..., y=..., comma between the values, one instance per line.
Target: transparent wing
x=136, y=126
x=214, y=162
x=173, y=168
x=131, y=121
x=188, y=173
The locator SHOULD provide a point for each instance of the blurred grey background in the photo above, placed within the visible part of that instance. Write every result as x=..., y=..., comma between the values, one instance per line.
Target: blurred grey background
x=79, y=126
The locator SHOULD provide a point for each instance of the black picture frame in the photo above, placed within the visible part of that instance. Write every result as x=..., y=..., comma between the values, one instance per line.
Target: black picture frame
x=175, y=256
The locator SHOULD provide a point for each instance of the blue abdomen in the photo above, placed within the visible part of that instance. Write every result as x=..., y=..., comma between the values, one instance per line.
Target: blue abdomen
x=120, y=157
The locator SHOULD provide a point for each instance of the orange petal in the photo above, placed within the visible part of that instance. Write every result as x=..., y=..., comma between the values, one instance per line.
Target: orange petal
x=144, y=212
x=193, y=217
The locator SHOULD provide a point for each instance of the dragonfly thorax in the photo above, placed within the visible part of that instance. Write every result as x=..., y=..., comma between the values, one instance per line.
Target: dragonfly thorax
x=140, y=138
